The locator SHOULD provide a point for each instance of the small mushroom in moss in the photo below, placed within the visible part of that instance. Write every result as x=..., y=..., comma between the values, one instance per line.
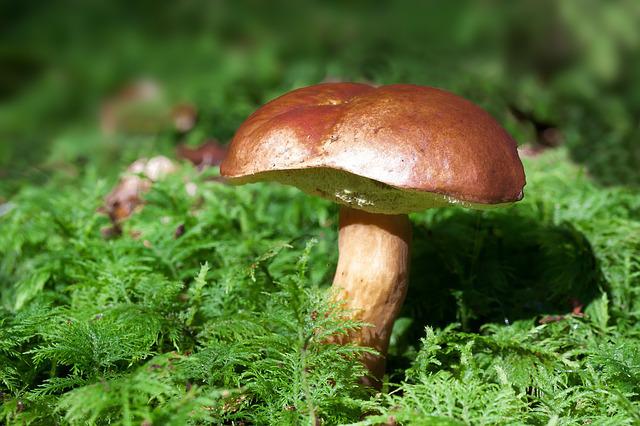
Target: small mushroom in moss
x=380, y=152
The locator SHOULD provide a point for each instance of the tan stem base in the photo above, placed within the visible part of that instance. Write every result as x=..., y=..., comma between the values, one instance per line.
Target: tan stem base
x=371, y=278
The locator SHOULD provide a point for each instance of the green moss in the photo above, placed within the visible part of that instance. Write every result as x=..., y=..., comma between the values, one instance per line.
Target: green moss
x=224, y=324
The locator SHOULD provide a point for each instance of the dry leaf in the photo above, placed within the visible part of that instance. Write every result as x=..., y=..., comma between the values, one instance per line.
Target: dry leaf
x=126, y=197
x=210, y=153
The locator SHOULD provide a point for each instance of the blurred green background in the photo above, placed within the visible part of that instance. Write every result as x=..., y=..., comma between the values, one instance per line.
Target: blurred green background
x=554, y=73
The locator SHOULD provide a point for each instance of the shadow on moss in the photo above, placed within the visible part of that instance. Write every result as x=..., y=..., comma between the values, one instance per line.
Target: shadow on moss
x=476, y=268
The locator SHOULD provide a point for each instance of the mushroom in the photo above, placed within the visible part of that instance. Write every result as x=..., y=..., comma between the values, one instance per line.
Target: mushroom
x=380, y=152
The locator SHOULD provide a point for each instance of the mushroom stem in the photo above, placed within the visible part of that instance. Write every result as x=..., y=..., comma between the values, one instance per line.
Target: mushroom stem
x=371, y=278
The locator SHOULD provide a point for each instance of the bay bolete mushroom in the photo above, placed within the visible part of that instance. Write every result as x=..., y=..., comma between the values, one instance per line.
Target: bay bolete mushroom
x=380, y=152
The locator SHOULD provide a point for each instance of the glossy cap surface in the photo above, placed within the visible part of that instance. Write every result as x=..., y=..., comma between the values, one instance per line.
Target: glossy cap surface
x=389, y=149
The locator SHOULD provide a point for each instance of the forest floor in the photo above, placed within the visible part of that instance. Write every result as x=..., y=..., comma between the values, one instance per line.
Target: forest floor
x=208, y=303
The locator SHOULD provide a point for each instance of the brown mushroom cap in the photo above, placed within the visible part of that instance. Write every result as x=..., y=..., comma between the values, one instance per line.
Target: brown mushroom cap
x=391, y=149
